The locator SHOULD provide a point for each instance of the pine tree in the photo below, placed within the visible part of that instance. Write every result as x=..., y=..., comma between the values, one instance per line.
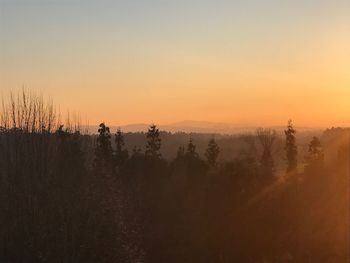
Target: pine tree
x=291, y=147
x=121, y=154
x=103, y=151
x=195, y=167
x=212, y=153
x=191, y=150
x=153, y=142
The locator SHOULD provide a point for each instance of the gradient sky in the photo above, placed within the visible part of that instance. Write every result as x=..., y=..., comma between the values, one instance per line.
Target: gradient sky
x=239, y=61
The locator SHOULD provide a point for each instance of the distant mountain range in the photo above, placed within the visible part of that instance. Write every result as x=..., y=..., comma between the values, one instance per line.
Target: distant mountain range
x=190, y=126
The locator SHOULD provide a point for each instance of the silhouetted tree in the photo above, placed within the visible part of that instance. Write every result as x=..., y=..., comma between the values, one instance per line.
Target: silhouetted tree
x=180, y=152
x=212, y=153
x=315, y=149
x=103, y=150
x=191, y=150
x=314, y=158
x=196, y=167
x=153, y=142
x=121, y=154
x=55, y=207
x=291, y=147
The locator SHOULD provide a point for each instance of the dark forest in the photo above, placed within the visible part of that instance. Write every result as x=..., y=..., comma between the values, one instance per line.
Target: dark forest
x=68, y=196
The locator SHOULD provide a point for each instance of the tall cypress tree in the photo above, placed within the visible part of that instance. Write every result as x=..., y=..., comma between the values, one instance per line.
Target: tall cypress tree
x=291, y=147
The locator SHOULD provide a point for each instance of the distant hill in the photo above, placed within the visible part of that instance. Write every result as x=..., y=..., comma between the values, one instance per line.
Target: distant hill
x=190, y=126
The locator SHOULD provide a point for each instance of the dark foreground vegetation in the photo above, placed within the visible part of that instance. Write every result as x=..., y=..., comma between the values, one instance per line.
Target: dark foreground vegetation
x=70, y=197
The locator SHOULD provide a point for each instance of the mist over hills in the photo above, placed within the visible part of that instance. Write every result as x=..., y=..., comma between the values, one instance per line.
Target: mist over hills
x=193, y=126
x=203, y=194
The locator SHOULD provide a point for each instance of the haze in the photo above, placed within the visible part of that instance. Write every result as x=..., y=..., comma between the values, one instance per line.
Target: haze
x=242, y=62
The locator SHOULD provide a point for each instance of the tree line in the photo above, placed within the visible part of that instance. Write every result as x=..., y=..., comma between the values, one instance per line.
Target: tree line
x=70, y=197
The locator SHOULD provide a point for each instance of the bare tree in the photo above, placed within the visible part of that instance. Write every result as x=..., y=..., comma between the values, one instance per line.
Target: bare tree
x=267, y=138
x=28, y=112
x=32, y=113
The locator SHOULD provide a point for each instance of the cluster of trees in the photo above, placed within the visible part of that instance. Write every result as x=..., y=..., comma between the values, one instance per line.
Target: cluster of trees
x=69, y=197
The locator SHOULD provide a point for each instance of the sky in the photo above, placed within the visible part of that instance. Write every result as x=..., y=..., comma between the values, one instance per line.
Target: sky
x=245, y=62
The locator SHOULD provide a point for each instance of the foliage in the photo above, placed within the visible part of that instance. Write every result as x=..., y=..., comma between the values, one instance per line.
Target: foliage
x=153, y=142
x=212, y=153
x=315, y=157
x=291, y=148
x=57, y=207
x=103, y=150
x=121, y=154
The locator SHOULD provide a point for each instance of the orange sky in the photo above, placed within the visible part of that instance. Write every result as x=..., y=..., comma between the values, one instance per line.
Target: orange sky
x=245, y=64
